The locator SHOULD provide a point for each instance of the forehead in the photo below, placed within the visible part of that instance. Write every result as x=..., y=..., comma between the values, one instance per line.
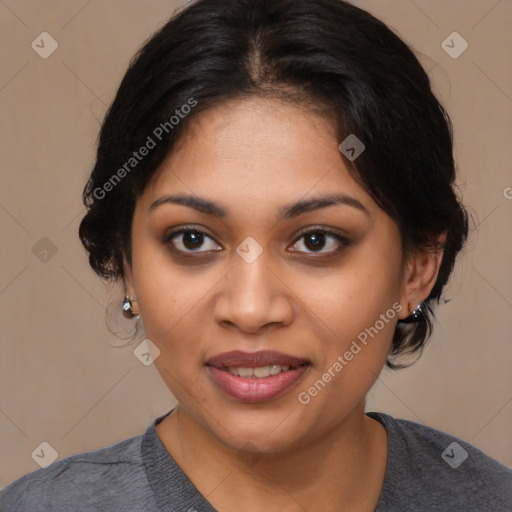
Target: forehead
x=256, y=151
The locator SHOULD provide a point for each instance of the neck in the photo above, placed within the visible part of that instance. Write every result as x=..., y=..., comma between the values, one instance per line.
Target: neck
x=342, y=470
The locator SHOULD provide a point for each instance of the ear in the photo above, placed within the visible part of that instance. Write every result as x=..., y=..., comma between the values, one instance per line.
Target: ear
x=129, y=288
x=128, y=279
x=420, y=275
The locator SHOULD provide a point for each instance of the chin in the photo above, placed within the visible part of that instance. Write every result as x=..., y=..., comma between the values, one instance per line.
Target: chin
x=260, y=428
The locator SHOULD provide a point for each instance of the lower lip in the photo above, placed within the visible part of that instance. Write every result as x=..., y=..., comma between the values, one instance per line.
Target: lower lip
x=256, y=389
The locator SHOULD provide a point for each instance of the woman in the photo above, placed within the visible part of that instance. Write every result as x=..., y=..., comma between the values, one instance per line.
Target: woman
x=274, y=188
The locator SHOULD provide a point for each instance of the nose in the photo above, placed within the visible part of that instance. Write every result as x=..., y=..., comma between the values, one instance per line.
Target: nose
x=253, y=298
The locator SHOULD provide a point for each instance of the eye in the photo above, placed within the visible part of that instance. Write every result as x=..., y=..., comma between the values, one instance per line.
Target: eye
x=320, y=238
x=189, y=240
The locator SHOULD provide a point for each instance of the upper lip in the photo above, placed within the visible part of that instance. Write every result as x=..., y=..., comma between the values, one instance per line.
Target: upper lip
x=240, y=359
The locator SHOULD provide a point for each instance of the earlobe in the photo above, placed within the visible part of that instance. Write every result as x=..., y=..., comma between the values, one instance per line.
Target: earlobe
x=130, y=307
x=420, y=276
x=128, y=278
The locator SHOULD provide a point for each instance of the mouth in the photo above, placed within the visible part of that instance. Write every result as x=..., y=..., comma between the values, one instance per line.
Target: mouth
x=256, y=376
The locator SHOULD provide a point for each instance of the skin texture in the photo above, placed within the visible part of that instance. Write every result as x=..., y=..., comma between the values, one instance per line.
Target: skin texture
x=254, y=156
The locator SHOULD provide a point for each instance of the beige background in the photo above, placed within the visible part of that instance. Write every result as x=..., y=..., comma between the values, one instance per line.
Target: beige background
x=66, y=380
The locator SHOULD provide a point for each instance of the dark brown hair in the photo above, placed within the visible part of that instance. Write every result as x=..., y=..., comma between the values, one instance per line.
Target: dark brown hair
x=327, y=52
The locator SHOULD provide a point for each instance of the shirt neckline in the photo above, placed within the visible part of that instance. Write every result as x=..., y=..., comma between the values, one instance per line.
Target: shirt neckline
x=387, y=422
x=172, y=487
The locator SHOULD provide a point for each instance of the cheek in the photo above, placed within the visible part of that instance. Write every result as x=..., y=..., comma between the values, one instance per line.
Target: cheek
x=167, y=305
x=356, y=305
x=357, y=309
x=170, y=305
x=169, y=294
x=354, y=298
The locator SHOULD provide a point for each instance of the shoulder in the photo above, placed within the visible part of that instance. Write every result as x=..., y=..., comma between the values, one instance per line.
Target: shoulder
x=441, y=471
x=104, y=479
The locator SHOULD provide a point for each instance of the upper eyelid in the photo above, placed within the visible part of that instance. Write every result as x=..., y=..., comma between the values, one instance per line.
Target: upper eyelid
x=321, y=229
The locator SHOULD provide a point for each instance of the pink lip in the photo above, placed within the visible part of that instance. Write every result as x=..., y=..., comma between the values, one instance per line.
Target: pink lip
x=255, y=389
x=242, y=359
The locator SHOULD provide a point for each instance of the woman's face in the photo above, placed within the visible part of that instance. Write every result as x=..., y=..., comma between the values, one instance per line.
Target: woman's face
x=244, y=266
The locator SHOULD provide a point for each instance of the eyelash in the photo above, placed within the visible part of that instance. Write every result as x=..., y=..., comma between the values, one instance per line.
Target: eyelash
x=343, y=241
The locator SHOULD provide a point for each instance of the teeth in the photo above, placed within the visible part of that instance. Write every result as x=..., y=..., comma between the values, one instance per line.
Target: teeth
x=245, y=372
x=262, y=371
x=259, y=371
x=275, y=369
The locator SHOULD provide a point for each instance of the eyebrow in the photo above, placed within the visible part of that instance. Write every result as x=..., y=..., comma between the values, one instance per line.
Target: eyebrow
x=287, y=211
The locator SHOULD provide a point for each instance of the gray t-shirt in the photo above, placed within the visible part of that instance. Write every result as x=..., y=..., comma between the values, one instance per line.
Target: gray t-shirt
x=427, y=471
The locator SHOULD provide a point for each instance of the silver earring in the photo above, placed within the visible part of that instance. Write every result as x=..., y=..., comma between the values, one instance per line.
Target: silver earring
x=126, y=308
x=417, y=312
